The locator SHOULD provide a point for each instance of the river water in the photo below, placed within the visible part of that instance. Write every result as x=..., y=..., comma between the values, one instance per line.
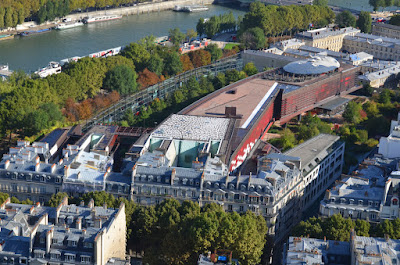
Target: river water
x=31, y=53
x=360, y=5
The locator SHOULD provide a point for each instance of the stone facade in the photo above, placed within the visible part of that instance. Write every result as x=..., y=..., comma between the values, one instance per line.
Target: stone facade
x=382, y=48
x=386, y=30
x=327, y=38
x=68, y=234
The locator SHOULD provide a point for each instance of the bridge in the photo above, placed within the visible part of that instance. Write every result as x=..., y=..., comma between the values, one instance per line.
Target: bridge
x=115, y=112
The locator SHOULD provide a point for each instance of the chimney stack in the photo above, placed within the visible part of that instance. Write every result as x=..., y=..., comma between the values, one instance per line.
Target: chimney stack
x=37, y=160
x=173, y=174
x=7, y=164
x=53, y=168
x=37, y=167
x=79, y=223
x=91, y=204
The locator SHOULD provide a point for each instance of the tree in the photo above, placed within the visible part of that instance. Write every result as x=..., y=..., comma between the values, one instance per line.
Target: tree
x=250, y=69
x=320, y=2
x=253, y=38
x=219, y=81
x=190, y=34
x=351, y=113
x=186, y=62
x=394, y=20
x=138, y=54
x=364, y=22
x=176, y=36
x=147, y=78
x=121, y=79
x=37, y=120
x=155, y=64
x=345, y=19
x=8, y=17
x=200, y=27
x=2, y=14
x=232, y=76
x=200, y=58
x=216, y=53
x=56, y=199
x=385, y=97
x=212, y=26
x=287, y=140
x=173, y=64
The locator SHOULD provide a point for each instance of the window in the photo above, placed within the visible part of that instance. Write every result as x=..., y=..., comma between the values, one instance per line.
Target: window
x=54, y=241
x=57, y=190
x=58, y=180
x=55, y=256
x=42, y=179
x=42, y=240
x=72, y=243
x=230, y=207
x=69, y=257
x=241, y=208
x=395, y=201
x=43, y=189
x=85, y=259
x=88, y=245
x=29, y=177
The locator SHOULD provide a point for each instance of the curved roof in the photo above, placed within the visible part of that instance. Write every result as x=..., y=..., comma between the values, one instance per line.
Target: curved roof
x=315, y=65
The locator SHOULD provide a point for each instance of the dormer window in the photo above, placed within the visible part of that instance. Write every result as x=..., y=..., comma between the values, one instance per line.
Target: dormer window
x=395, y=201
x=351, y=201
x=88, y=245
x=360, y=202
x=72, y=243
x=42, y=179
x=29, y=177
x=58, y=179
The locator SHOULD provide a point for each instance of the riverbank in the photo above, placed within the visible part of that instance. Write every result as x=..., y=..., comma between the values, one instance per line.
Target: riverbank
x=141, y=8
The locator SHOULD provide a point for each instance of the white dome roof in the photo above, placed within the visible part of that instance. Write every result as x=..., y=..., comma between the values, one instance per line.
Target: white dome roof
x=315, y=65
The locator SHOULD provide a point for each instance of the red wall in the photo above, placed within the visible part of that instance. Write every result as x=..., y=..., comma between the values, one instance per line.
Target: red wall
x=309, y=95
x=252, y=135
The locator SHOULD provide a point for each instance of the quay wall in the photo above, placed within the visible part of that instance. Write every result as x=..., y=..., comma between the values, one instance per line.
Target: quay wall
x=142, y=8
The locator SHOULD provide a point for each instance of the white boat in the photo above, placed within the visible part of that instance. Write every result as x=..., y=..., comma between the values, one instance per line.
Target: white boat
x=100, y=18
x=51, y=69
x=190, y=8
x=62, y=26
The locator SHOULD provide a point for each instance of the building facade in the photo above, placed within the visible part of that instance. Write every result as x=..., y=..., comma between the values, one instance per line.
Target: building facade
x=382, y=48
x=359, y=250
x=327, y=38
x=321, y=164
x=68, y=234
x=386, y=30
x=368, y=194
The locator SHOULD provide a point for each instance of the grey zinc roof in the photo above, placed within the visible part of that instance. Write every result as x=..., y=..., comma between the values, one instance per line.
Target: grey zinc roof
x=314, y=148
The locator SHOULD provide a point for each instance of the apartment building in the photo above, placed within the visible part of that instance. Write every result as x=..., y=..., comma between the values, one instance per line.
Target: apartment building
x=321, y=164
x=386, y=30
x=382, y=48
x=68, y=234
x=368, y=194
x=359, y=250
x=326, y=38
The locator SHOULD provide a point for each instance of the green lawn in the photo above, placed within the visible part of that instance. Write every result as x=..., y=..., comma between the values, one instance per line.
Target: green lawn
x=230, y=46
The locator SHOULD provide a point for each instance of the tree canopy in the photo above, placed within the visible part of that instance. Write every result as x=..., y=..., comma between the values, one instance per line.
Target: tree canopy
x=364, y=22
x=121, y=79
x=345, y=19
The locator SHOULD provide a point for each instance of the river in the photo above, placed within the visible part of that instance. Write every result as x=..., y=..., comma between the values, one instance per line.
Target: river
x=360, y=5
x=31, y=53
